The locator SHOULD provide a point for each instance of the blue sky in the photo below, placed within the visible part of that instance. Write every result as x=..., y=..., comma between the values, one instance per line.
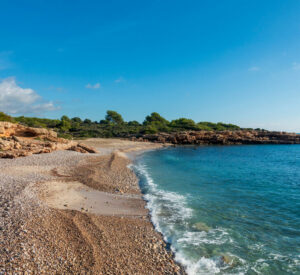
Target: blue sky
x=234, y=61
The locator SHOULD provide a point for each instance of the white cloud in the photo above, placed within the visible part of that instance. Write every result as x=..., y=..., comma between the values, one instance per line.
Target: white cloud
x=16, y=100
x=120, y=79
x=296, y=66
x=91, y=86
x=254, y=69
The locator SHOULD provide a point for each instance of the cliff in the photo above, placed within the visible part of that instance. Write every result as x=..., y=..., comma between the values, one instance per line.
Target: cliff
x=221, y=137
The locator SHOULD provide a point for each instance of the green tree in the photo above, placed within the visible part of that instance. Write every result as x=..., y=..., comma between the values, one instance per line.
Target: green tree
x=114, y=117
x=156, y=123
x=65, y=118
x=150, y=129
x=103, y=122
x=155, y=118
x=65, y=124
x=134, y=123
x=76, y=119
x=87, y=121
x=183, y=124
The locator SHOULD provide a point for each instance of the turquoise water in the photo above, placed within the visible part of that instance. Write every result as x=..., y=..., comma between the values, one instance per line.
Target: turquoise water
x=226, y=209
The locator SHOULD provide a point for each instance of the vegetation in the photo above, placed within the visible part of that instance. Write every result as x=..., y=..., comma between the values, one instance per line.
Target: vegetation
x=114, y=125
x=5, y=117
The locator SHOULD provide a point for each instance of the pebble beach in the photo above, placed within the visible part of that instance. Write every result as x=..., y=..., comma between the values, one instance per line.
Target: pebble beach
x=72, y=213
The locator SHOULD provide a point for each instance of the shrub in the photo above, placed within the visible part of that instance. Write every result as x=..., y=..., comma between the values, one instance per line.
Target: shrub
x=5, y=117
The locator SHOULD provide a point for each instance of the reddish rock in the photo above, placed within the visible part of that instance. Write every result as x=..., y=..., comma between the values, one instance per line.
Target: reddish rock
x=18, y=141
x=222, y=137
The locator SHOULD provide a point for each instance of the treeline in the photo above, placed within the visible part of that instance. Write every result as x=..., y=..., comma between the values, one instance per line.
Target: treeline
x=114, y=125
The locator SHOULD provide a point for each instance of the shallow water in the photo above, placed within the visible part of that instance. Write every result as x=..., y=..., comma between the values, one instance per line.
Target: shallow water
x=226, y=209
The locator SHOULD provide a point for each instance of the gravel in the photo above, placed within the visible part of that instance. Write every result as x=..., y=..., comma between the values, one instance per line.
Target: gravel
x=19, y=203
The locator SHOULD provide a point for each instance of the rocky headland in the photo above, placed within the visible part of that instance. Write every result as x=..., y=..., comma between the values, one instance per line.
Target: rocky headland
x=221, y=137
x=17, y=140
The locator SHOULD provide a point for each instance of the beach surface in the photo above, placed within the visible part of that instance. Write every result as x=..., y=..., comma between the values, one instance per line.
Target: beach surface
x=72, y=213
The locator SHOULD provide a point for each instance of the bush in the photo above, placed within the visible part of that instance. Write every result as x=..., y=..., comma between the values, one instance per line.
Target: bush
x=5, y=117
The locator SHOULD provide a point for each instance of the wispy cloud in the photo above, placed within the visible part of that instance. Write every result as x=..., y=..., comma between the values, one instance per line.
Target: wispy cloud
x=296, y=66
x=254, y=69
x=17, y=100
x=120, y=79
x=93, y=86
x=5, y=62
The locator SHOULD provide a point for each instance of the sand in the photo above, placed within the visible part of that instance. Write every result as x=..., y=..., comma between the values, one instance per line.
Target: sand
x=72, y=213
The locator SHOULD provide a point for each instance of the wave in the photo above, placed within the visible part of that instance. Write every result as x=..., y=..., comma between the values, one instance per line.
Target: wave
x=164, y=206
x=171, y=217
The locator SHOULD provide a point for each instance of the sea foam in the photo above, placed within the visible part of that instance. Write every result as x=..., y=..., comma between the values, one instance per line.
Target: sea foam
x=168, y=210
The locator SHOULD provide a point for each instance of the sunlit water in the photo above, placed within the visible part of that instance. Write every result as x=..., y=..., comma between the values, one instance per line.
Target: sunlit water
x=226, y=209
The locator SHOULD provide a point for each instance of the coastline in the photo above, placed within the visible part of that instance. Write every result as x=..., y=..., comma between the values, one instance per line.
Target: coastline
x=74, y=213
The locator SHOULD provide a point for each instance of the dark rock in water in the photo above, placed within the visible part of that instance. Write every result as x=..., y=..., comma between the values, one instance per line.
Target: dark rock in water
x=221, y=137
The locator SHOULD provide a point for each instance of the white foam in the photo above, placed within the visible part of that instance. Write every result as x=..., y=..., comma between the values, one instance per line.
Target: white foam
x=176, y=211
x=202, y=266
x=196, y=238
x=168, y=211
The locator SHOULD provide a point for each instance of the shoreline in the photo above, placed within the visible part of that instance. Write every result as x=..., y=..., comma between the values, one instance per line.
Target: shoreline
x=74, y=213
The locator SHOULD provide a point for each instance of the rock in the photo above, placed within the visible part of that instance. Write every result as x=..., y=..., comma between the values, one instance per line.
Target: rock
x=77, y=149
x=221, y=137
x=201, y=226
x=228, y=260
x=6, y=145
x=8, y=129
x=86, y=148
x=18, y=141
x=7, y=155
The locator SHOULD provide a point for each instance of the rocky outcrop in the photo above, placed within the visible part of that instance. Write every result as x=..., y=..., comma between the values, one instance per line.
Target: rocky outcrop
x=222, y=137
x=8, y=129
x=18, y=141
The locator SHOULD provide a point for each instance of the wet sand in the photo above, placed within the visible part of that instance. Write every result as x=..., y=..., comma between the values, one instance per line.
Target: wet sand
x=72, y=213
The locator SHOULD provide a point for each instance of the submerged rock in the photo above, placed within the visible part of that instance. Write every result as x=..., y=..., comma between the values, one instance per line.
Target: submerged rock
x=201, y=226
x=228, y=260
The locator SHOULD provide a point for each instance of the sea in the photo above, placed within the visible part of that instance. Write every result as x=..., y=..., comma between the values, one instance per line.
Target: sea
x=226, y=209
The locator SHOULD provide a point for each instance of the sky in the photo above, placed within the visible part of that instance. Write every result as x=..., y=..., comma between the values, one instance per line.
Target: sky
x=233, y=61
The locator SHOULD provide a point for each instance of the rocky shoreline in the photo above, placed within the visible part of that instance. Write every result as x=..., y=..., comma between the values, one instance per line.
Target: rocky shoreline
x=220, y=137
x=19, y=141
